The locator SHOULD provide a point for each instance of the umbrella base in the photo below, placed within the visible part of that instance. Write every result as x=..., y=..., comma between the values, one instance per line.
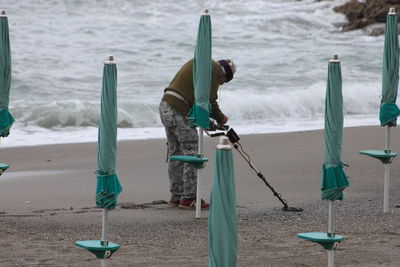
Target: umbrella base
x=327, y=242
x=3, y=167
x=102, y=249
x=384, y=156
x=197, y=161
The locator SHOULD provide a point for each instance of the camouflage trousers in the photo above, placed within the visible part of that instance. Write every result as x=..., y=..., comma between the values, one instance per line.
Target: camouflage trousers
x=182, y=140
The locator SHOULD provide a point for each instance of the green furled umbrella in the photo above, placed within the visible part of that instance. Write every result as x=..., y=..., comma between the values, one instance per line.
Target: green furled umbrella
x=108, y=186
x=6, y=119
x=388, y=111
x=390, y=72
x=334, y=180
x=199, y=114
x=222, y=228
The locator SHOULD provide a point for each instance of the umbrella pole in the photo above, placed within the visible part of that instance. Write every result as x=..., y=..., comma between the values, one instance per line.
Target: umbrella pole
x=331, y=232
x=198, y=194
x=387, y=173
x=104, y=236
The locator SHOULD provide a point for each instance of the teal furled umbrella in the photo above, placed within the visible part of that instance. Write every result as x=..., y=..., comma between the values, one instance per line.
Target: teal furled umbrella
x=388, y=110
x=6, y=119
x=390, y=72
x=334, y=180
x=222, y=227
x=199, y=115
x=108, y=187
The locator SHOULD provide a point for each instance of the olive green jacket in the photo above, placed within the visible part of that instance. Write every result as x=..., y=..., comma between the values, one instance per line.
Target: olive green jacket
x=183, y=85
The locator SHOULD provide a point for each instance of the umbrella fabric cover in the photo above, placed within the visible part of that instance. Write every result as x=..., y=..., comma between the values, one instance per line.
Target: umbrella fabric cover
x=390, y=73
x=222, y=228
x=108, y=187
x=334, y=180
x=199, y=114
x=6, y=119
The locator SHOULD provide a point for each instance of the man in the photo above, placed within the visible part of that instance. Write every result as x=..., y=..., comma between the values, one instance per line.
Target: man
x=182, y=139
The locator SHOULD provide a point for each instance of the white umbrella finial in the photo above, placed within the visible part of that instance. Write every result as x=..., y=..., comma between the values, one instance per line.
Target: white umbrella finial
x=392, y=11
x=3, y=13
x=110, y=61
x=205, y=13
x=224, y=143
x=335, y=58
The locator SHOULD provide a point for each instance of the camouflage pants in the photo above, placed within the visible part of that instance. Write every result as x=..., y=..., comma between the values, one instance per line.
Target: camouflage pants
x=182, y=140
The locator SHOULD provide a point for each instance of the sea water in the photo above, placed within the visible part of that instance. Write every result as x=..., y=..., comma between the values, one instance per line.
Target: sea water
x=281, y=49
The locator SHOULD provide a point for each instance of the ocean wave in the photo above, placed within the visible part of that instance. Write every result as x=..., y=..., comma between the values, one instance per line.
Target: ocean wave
x=239, y=105
x=58, y=114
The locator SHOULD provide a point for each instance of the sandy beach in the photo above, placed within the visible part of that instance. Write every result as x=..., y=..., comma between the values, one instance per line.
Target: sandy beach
x=47, y=203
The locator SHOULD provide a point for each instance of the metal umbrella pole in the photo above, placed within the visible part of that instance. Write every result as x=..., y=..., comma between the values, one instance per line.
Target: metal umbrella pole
x=331, y=232
x=198, y=190
x=387, y=172
x=104, y=234
x=386, y=184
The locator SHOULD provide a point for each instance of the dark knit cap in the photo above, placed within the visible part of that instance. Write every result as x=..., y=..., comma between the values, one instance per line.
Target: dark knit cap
x=227, y=69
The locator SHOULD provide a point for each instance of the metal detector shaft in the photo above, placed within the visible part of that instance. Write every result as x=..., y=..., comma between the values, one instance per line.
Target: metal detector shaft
x=234, y=139
x=262, y=177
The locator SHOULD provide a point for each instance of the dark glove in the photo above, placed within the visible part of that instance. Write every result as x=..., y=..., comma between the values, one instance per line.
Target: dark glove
x=215, y=127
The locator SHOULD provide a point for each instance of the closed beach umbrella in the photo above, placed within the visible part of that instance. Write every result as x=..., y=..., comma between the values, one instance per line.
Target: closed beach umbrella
x=6, y=119
x=108, y=186
x=388, y=110
x=334, y=180
x=199, y=114
x=390, y=80
x=390, y=72
x=222, y=228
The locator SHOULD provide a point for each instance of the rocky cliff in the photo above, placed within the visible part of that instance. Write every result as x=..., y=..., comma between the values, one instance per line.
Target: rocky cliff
x=366, y=14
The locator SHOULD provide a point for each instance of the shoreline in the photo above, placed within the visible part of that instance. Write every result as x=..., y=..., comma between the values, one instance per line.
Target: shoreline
x=47, y=203
x=56, y=136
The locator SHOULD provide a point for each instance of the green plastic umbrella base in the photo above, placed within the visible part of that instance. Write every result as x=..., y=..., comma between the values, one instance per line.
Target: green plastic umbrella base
x=327, y=242
x=197, y=161
x=3, y=167
x=384, y=156
x=98, y=248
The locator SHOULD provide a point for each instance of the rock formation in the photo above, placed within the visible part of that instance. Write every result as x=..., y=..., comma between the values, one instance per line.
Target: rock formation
x=361, y=14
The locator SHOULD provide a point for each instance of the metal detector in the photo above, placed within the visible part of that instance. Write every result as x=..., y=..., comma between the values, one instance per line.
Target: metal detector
x=234, y=139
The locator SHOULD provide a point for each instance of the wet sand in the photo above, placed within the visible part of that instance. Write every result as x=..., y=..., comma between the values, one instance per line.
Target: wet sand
x=47, y=203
